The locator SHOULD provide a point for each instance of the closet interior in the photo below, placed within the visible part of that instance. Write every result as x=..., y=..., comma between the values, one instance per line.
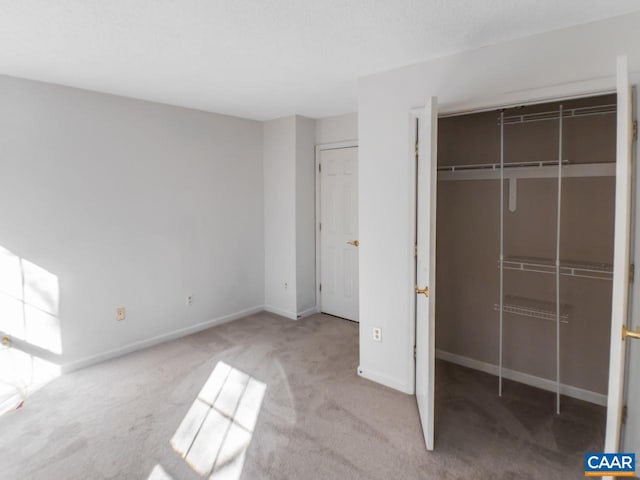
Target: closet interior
x=525, y=228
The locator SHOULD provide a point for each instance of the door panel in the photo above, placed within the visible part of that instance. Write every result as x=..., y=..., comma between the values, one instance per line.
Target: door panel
x=426, y=267
x=339, y=226
x=621, y=256
x=631, y=428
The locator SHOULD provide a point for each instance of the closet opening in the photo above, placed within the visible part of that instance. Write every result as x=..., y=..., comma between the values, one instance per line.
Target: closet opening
x=524, y=254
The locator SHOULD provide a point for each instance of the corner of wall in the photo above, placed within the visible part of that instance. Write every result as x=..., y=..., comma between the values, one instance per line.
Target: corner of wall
x=305, y=216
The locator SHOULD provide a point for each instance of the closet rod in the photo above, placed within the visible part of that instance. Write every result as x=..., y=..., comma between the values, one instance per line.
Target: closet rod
x=501, y=311
x=560, y=119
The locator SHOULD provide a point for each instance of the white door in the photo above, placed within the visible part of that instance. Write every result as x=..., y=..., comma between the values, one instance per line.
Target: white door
x=426, y=267
x=339, y=232
x=621, y=258
x=631, y=428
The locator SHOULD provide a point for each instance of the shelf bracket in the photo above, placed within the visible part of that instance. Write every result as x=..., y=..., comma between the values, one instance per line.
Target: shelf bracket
x=513, y=194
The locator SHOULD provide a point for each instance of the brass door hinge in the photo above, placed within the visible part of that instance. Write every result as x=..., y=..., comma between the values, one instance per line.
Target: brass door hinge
x=632, y=272
x=635, y=129
x=415, y=352
x=422, y=291
x=320, y=167
x=415, y=250
x=624, y=414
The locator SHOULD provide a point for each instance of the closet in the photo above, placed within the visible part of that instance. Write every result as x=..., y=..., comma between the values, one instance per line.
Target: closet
x=525, y=229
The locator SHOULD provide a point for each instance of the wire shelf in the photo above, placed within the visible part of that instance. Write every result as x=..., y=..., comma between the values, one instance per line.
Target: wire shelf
x=496, y=166
x=523, y=170
x=529, y=307
x=569, y=268
x=566, y=113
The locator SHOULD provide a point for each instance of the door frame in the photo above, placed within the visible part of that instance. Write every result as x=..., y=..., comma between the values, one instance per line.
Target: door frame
x=566, y=91
x=319, y=149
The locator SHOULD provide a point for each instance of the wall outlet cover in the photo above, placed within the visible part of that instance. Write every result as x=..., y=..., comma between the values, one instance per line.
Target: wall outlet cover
x=377, y=334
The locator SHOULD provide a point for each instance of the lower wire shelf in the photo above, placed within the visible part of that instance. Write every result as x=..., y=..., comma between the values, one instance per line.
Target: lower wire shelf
x=529, y=307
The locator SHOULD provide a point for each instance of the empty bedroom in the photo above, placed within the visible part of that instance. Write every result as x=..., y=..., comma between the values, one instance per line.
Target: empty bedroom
x=311, y=240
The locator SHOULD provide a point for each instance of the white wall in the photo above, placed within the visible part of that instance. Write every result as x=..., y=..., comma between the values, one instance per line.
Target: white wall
x=533, y=68
x=289, y=206
x=338, y=128
x=133, y=204
x=280, y=216
x=305, y=215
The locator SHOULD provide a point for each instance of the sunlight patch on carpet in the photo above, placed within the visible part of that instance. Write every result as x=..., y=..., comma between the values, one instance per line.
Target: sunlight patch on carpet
x=216, y=432
x=158, y=473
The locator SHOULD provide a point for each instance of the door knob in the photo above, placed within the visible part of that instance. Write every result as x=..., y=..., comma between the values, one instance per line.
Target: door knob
x=629, y=333
x=355, y=243
x=424, y=291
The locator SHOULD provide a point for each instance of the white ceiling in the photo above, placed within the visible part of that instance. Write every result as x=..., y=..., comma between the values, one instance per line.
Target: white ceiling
x=259, y=58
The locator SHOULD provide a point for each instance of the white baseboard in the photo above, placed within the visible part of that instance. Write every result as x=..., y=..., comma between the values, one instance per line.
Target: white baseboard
x=385, y=380
x=532, y=380
x=132, y=347
x=308, y=311
x=281, y=312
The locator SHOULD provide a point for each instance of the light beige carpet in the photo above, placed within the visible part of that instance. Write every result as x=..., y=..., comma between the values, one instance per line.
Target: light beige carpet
x=316, y=419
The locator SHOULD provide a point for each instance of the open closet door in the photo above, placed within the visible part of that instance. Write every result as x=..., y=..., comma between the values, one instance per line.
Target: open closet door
x=621, y=262
x=426, y=266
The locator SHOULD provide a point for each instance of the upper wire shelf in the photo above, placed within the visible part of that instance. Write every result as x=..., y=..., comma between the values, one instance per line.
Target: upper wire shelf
x=570, y=268
x=555, y=114
x=496, y=166
x=517, y=170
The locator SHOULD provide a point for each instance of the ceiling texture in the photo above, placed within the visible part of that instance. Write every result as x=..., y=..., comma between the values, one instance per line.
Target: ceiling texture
x=259, y=59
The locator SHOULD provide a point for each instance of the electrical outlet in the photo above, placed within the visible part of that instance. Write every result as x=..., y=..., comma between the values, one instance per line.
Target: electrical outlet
x=377, y=334
x=120, y=315
x=189, y=300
